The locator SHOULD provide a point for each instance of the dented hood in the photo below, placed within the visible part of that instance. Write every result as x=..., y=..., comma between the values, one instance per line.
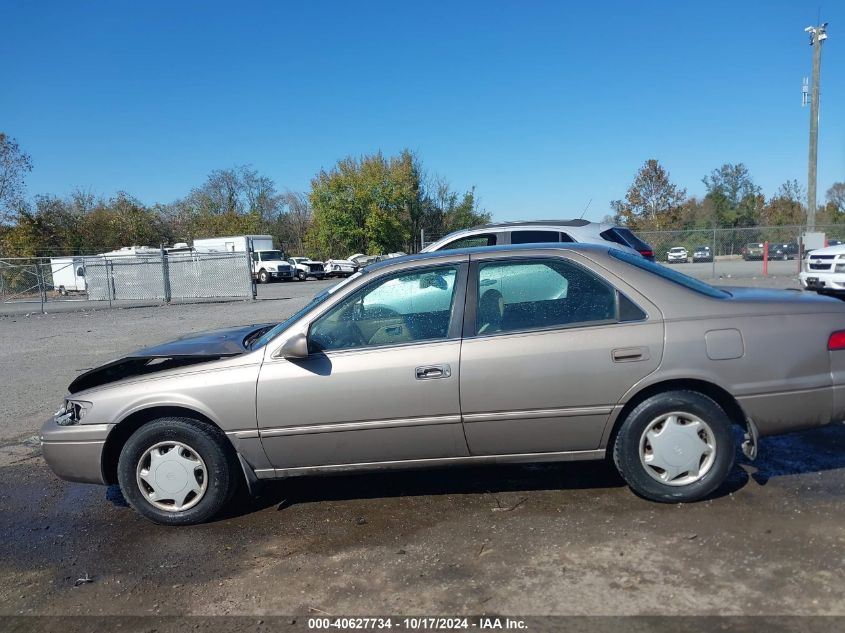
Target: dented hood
x=187, y=350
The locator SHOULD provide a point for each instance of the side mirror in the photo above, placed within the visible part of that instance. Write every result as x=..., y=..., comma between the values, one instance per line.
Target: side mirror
x=295, y=348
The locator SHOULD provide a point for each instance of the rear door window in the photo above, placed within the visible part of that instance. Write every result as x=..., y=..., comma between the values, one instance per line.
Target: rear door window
x=521, y=295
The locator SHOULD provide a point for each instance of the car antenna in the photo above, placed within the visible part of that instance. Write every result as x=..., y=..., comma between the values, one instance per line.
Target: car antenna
x=585, y=209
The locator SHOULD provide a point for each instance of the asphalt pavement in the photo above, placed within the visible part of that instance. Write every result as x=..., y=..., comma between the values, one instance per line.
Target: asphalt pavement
x=540, y=539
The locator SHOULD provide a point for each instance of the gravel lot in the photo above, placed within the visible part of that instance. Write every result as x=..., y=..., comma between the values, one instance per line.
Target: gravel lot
x=556, y=539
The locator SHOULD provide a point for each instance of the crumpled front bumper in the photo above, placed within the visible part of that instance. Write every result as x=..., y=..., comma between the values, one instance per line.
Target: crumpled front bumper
x=75, y=452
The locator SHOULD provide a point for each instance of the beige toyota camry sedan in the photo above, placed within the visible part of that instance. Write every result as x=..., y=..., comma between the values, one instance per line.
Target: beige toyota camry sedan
x=536, y=353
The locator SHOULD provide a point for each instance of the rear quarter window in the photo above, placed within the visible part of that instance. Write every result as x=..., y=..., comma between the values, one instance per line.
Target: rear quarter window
x=625, y=237
x=670, y=274
x=470, y=241
x=534, y=237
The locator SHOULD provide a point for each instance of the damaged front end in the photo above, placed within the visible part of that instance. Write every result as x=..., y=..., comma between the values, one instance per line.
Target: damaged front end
x=189, y=350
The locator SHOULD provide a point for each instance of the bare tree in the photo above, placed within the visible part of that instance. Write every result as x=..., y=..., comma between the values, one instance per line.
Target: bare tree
x=14, y=165
x=293, y=223
x=836, y=196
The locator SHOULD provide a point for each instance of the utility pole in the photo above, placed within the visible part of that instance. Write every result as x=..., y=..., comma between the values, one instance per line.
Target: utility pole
x=818, y=34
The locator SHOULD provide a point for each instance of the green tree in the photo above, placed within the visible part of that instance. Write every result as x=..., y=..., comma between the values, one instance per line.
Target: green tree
x=786, y=206
x=363, y=205
x=736, y=200
x=652, y=202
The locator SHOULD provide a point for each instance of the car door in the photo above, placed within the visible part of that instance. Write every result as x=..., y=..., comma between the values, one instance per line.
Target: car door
x=550, y=347
x=380, y=383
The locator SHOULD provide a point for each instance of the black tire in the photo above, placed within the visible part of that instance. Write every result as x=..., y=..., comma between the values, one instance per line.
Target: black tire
x=263, y=276
x=626, y=448
x=207, y=441
x=300, y=274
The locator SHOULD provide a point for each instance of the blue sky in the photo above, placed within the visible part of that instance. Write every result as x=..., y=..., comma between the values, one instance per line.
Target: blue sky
x=541, y=106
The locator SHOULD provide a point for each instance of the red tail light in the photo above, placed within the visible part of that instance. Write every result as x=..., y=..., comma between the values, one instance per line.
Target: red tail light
x=836, y=341
x=647, y=253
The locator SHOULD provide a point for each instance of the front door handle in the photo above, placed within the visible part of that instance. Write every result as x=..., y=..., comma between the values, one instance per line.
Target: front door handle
x=428, y=372
x=629, y=354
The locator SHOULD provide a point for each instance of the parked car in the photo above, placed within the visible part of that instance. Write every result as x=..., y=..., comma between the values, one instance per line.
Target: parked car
x=677, y=255
x=497, y=355
x=702, y=254
x=752, y=251
x=305, y=267
x=823, y=270
x=539, y=232
x=783, y=250
x=361, y=260
x=340, y=267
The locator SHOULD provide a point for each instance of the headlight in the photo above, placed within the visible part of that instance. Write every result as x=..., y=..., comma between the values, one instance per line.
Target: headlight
x=71, y=412
x=840, y=268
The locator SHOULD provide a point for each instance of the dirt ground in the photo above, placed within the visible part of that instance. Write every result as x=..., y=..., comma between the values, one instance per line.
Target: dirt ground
x=530, y=540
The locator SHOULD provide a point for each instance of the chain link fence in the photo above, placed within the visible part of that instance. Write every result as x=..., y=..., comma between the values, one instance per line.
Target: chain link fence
x=151, y=277
x=737, y=252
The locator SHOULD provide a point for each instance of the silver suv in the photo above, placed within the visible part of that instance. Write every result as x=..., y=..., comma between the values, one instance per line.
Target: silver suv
x=543, y=231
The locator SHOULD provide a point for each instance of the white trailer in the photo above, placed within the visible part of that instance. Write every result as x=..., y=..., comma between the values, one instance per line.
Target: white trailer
x=234, y=244
x=268, y=263
x=68, y=274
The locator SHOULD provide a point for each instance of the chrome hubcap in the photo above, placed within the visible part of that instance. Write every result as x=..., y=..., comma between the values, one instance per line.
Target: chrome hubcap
x=172, y=476
x=677, y=448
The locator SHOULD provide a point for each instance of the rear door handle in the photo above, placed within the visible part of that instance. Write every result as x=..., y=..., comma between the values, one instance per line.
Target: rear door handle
x=629, y=354
x=429, y=372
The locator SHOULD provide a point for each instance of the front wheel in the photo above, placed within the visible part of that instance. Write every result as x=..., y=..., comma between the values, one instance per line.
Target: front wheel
x=177, y=471
x=674, y=447
x=301, y=275
x=263, y=277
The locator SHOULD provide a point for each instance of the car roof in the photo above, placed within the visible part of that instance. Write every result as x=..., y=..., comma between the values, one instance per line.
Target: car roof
x=518, y=223
x=592, y=228
x=502, y=248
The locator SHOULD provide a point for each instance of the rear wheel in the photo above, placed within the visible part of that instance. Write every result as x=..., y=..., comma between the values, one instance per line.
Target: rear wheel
x=675, y=446
x=177, y=471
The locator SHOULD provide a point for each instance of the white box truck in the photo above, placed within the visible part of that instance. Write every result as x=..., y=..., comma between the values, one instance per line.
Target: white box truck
x=68, y=274
x=268, y=263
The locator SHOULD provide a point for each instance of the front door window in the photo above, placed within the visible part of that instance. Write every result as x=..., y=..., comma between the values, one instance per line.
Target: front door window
x=405, y=308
